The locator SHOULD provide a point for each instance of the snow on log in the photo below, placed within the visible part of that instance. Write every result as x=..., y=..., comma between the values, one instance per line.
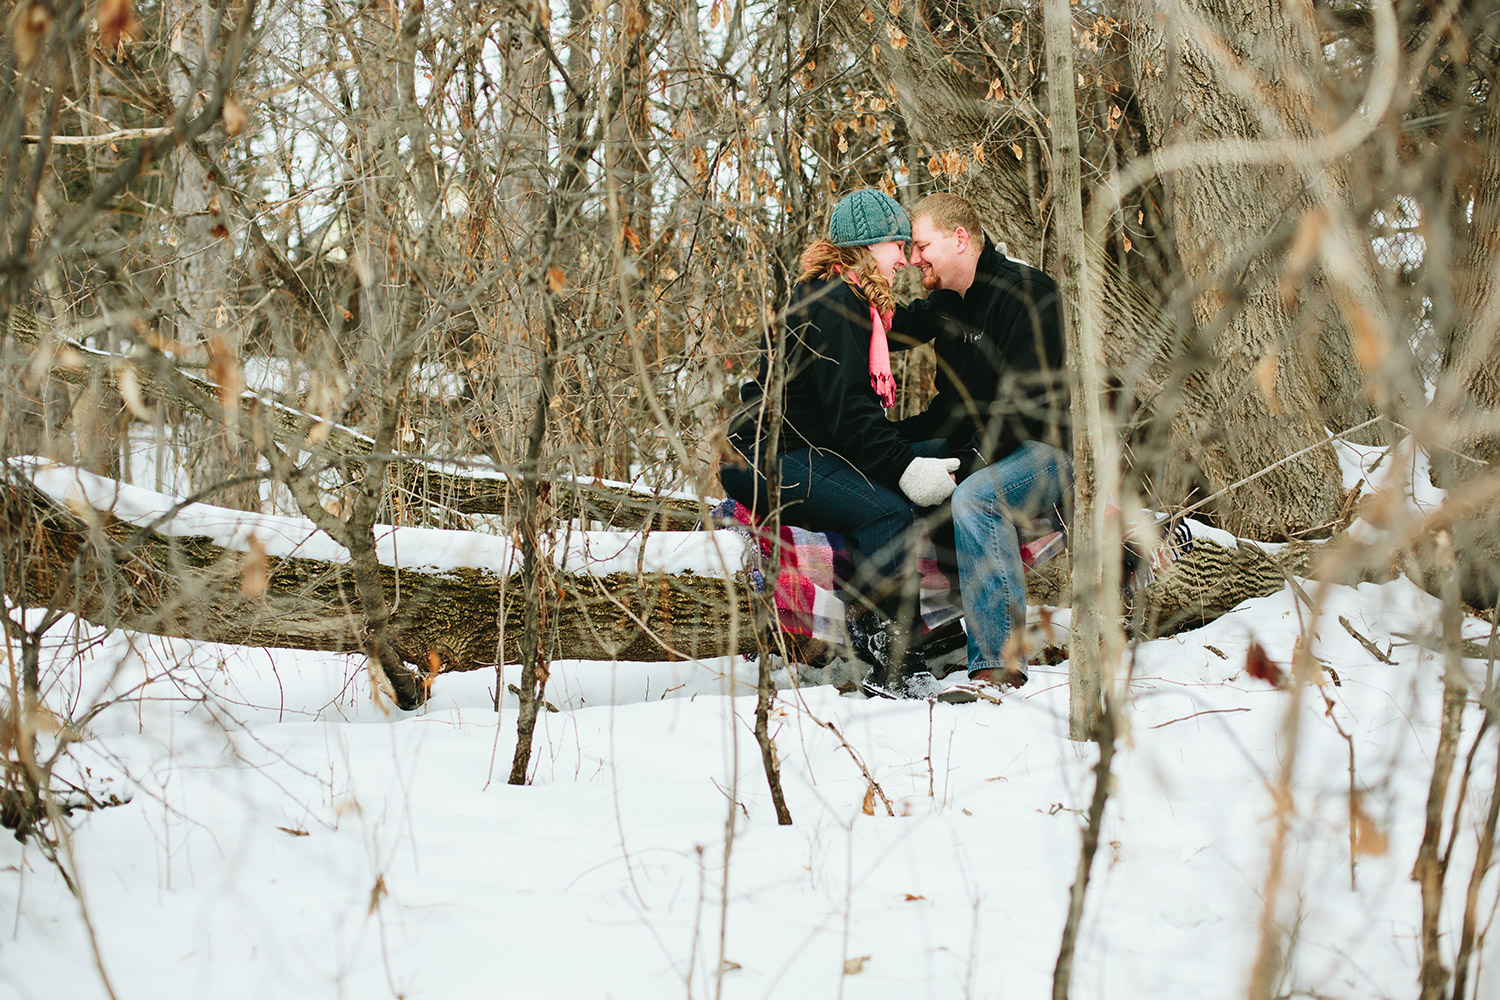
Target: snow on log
x=121, y=556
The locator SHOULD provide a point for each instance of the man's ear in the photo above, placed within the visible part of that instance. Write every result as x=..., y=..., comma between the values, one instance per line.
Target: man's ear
x=961, y=239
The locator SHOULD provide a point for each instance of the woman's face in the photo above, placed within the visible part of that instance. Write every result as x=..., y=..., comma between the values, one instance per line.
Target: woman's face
x=889, y=255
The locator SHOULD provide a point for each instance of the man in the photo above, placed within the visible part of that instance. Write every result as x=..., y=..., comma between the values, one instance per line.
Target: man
x=1001, y=408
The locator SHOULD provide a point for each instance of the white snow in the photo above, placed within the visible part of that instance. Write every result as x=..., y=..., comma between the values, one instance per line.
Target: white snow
x=716, y=553
x=284, y=835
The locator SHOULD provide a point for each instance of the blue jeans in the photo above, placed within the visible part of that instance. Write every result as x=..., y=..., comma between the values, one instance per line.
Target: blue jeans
x=823, y=492
x=987, y=507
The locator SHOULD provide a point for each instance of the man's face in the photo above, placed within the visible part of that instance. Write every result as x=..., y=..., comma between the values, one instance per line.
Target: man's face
x=941, y=256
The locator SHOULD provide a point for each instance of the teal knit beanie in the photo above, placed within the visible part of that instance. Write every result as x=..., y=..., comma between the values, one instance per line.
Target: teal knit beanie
x=865, y=217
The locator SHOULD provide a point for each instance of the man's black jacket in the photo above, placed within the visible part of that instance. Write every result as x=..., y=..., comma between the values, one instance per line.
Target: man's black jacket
x=829, y=403
x=1001, y=379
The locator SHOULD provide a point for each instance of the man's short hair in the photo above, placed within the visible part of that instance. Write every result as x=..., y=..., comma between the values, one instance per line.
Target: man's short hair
x=948, y=212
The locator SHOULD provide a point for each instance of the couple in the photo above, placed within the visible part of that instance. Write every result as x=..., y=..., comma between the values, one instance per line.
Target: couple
x=989, y=453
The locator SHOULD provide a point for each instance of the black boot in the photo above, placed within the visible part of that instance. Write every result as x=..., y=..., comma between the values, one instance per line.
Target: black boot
x=889, y=648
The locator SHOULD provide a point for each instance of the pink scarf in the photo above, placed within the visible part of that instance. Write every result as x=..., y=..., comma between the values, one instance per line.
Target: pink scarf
x=881, y=379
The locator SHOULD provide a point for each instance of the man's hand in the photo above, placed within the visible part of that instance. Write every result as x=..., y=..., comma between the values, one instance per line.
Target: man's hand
x=927, y=482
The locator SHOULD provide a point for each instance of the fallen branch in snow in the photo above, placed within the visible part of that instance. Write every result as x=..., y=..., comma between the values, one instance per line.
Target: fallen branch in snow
x=1206, y=711
x=872, y=787
x=1370, y=647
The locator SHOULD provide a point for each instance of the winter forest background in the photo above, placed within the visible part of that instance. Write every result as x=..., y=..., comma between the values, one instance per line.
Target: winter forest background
x=365, y=366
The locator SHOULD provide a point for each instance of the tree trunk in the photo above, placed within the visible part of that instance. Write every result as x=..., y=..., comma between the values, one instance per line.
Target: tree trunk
x=944, y=104
x=203, y=315
x=1091, y=663
x=1255, y=400
x=1468, y=394
x=120, y=575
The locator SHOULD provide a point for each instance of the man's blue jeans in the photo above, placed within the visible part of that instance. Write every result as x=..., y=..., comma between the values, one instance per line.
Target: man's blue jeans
x=988, y=506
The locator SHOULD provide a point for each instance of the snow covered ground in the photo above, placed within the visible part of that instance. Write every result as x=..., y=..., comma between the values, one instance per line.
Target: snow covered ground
x=284, y=835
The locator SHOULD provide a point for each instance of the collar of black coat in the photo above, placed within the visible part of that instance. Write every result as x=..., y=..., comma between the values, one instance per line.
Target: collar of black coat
x=993, y=273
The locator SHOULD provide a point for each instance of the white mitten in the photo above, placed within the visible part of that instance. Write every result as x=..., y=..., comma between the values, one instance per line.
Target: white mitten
x=927, y=482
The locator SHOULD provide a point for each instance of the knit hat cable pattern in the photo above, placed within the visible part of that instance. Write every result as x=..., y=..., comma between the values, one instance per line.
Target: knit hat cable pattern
x=865, y=217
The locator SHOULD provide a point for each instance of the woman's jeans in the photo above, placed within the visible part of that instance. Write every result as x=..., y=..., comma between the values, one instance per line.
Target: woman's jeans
x=988, y=506
x=823, y=492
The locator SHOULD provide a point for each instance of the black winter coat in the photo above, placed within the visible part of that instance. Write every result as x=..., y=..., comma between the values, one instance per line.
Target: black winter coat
x=828, y=403
x=1001, y=379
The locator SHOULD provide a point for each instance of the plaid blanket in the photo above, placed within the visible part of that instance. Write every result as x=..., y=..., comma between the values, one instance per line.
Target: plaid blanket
x=813, y=565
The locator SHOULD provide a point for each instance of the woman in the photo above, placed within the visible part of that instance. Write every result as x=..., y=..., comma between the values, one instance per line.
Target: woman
x=842, y=465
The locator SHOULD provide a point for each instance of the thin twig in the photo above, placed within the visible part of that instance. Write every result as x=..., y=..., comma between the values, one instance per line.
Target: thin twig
x=869, y=780
x=1370, y=647
x=99, y=140
x=1206, y=711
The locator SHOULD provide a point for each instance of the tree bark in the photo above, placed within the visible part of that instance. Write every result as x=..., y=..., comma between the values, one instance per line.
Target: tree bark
x=943, y=103
x=1255, y=400
x=1091, y=661
x=202, y=313
x=1468, y=394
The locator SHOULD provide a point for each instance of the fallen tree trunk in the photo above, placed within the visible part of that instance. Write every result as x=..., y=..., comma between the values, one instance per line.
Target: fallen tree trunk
x=137, y=570
x=119, y=574
x=1212, y=579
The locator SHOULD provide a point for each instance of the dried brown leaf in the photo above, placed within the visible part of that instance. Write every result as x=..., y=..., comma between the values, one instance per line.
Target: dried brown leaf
x=1260, y=666
x=28, y=26
x=1370, y=348
x=556, y=279
x=117, y=22
x=1306, y=240
x=635, y=19
x=1305, y=244
x=1264, y=374
x=235, y=118
x=377, y=892
x=255, y=574
x=854, y=966
x=1369, y=839
x=224, y=370
x=868, y=805
x=130, y=392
